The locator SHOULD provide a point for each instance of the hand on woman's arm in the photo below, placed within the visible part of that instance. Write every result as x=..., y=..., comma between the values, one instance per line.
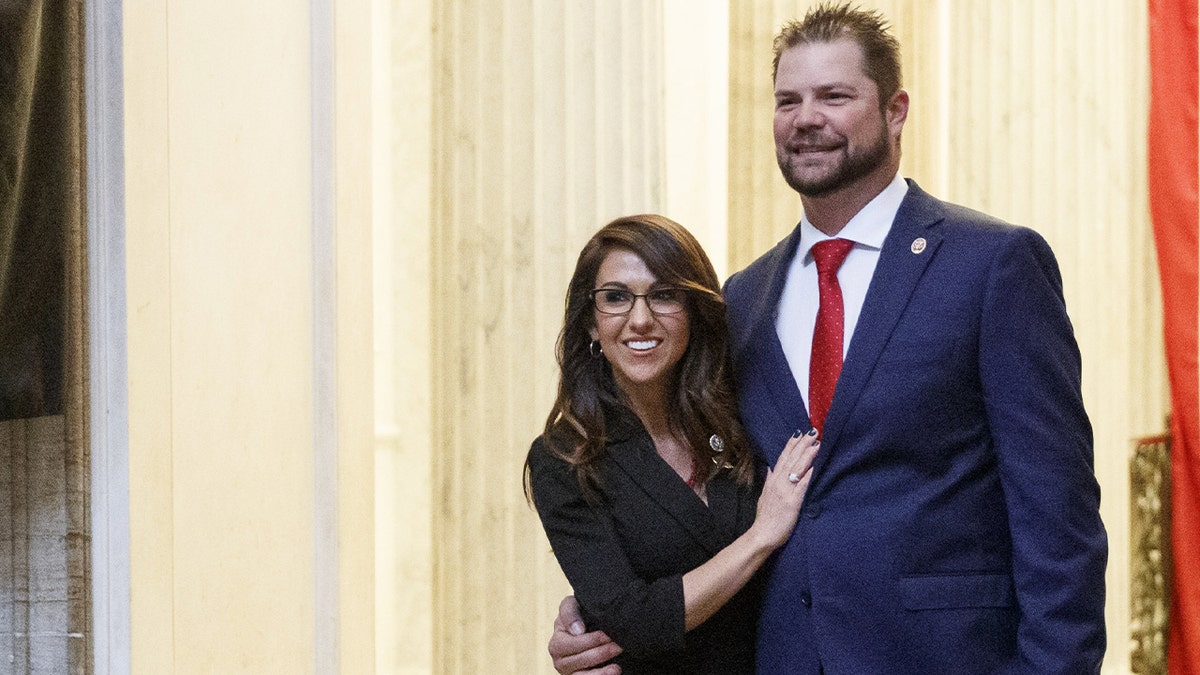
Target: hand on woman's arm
x=708, y=587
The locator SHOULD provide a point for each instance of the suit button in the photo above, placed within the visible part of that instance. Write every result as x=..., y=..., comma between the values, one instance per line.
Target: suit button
x=806, y=599
x=812, y=510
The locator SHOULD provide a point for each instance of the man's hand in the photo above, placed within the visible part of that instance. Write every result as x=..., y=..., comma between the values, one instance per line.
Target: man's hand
x=572, y=648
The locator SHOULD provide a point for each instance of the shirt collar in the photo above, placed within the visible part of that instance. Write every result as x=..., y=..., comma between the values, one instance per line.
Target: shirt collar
x=868, y=228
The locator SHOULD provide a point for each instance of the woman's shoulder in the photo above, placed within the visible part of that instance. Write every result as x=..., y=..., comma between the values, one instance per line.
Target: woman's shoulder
x=542, y=457
x=550, y=463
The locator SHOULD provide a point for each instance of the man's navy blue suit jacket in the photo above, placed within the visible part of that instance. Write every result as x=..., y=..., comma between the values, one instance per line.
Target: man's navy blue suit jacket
x=952, y=523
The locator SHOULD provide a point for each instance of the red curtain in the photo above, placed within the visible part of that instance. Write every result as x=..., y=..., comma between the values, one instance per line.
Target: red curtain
x=1174, y=175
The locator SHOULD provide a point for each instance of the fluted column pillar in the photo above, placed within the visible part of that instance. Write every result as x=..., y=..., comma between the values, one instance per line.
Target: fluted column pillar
x=547, y=122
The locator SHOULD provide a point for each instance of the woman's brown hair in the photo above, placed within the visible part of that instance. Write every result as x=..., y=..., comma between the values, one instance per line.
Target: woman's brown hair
x=703, y=403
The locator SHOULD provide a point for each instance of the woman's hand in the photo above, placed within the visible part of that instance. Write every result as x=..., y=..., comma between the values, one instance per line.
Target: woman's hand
x=783, y=491
x=711, y=585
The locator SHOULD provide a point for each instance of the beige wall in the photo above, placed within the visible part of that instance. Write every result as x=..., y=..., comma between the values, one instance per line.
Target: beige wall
x=403, y=95
x=486, y=140
x=248, y=302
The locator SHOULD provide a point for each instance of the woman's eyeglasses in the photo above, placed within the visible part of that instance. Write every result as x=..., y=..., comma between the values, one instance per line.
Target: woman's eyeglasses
x=620, y=301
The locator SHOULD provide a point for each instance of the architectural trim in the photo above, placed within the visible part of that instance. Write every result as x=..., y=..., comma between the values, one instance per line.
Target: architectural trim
x=107, y=338
x=324, y=357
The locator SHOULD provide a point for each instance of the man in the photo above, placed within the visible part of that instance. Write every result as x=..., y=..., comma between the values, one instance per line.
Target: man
x=952, y=520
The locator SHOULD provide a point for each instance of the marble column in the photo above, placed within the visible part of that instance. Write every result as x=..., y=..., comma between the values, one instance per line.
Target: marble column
x=547, y=122
x=508, y=133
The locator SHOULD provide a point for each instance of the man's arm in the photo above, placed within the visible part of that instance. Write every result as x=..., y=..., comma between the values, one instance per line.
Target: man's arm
x=1030, y=373
x=573, y=649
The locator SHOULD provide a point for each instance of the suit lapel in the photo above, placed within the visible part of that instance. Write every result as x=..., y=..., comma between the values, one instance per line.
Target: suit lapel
x=725, y=505
x=634, y=455
x=770, y=363
x=902, y=261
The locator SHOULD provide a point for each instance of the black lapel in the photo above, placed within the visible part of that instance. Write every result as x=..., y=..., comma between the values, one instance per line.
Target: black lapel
x=633, y=453
x=724, y=503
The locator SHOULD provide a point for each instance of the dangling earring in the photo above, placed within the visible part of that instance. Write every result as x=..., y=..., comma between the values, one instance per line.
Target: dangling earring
x=594, y=349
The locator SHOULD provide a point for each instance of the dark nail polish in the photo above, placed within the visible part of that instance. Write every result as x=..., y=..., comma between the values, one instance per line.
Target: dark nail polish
x=797, y=434
x=812, y=432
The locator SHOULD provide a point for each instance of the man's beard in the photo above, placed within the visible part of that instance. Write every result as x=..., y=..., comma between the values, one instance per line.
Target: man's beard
x=849, y=169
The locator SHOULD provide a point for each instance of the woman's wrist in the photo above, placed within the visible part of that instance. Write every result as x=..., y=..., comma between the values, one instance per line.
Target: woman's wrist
x=761, y=542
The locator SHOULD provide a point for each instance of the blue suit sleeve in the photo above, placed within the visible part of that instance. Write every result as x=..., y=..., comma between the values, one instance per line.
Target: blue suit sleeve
x=1030, y=372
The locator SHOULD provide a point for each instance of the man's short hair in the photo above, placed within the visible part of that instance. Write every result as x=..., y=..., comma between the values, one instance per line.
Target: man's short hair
x=828, y=22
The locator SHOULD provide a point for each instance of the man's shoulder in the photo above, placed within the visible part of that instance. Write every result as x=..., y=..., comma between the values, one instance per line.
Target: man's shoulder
x=758, y=272
x=920, y=205
x=967, y=238
x=956, y=220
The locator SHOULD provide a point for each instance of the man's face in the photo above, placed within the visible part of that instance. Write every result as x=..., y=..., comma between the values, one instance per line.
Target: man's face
x=830, y=132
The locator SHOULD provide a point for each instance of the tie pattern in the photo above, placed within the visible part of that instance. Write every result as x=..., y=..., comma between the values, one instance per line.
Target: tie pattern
x=826, y=363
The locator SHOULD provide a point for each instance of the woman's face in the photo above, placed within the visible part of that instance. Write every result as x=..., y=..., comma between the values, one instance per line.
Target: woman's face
x=642, y=346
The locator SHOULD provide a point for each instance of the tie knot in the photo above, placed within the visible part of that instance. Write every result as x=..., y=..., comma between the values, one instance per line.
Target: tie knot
x=830, y=253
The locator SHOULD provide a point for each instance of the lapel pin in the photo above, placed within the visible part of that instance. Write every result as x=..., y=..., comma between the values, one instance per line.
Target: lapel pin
x=918, y=245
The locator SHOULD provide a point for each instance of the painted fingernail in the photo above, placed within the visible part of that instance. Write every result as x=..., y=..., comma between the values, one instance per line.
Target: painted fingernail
x=816, y=444
x=812, y=432
x=798, y=434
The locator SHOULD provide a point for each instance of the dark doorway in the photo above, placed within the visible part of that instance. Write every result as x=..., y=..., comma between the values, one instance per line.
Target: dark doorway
x=44, y=476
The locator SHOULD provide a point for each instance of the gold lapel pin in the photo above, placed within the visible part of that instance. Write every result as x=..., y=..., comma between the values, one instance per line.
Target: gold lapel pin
x=918, y=245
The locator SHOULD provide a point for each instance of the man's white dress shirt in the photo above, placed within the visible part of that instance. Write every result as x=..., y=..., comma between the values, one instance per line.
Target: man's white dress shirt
x=798, y=304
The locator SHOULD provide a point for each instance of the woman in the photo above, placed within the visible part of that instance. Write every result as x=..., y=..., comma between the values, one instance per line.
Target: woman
x=643, y=477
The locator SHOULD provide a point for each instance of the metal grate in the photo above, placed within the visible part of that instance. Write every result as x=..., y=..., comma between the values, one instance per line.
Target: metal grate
x=1150, y=553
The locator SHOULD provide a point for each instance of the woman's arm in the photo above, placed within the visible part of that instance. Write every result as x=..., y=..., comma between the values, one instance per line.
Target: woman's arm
x=572, y=650
x=708, y=587
x=644, y=615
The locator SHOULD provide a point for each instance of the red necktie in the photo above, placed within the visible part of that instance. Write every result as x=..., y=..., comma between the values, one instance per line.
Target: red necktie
x=826, y=362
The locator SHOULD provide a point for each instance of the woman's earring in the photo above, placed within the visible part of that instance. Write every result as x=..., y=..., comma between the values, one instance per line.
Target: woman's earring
x=594, y=349
x=716, y=443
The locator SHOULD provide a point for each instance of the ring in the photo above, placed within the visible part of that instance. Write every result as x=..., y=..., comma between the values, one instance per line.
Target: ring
x=794, y=478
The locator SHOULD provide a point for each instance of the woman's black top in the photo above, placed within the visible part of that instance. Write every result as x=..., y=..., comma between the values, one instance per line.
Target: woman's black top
x=625, y=552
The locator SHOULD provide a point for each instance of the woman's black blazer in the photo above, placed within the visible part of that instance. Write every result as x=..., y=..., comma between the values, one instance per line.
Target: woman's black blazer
x=625, y=552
